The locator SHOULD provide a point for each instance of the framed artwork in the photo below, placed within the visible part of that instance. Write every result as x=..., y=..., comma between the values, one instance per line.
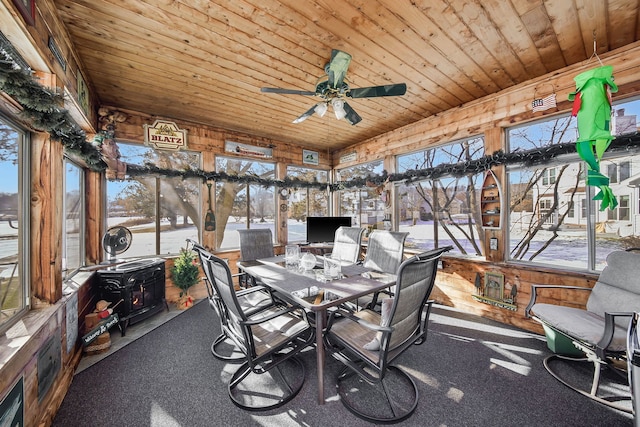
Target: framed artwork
x=27, y=9
x=310, y=157
x=493, y=286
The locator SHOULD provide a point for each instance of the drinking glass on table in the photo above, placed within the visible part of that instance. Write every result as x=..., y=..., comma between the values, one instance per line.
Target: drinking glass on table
x=292, y=255
x=332, y=267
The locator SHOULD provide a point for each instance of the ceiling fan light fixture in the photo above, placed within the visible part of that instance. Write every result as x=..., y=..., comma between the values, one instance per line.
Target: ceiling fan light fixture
x=338, y=108
x=321, y=108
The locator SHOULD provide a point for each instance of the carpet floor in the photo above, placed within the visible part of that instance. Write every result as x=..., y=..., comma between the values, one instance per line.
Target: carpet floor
x=469, y=372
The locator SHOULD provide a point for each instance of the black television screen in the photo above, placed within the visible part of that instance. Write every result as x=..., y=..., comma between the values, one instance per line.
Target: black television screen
x=322, y=229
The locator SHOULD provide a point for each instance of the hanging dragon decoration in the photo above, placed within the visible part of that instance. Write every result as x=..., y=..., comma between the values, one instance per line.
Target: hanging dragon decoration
x=592, y=105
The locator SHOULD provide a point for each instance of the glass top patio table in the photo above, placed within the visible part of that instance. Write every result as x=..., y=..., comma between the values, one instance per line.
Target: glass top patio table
x=310, y=290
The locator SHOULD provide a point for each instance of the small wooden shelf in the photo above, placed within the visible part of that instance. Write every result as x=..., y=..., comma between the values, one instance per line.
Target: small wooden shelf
x=491, y=202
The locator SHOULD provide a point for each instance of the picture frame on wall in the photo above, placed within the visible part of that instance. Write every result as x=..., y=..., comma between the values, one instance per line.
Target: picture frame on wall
x=494, y=286
x=27, y=9
x=310, y=157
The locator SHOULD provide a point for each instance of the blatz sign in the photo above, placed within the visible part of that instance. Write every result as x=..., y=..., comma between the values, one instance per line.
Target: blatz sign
x=165, y=135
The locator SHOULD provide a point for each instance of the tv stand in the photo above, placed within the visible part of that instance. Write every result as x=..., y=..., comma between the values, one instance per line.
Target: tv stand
x=319, y=248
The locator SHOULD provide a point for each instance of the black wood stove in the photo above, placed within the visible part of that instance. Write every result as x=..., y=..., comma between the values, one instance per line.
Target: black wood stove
x=141, y=287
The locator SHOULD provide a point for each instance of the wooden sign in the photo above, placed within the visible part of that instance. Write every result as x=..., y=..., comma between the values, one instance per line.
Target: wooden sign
x=100, y=329
x=247, y=150
x=165, y=136
x=349, y=157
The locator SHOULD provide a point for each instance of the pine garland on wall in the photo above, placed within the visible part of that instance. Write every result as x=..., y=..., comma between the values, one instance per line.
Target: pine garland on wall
x=42, y=108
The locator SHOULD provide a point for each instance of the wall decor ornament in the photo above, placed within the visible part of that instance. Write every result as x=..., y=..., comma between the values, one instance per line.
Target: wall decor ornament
x=165, y=135
x=592, y=105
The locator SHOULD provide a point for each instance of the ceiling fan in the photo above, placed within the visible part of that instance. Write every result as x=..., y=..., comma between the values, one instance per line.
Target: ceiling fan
x=334, y=88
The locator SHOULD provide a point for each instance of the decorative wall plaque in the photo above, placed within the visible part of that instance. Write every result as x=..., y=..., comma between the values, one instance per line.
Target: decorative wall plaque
x=310, y=157
x=12, y=405
x=49, y=362
x=165, y=135
x=492, y=291
x=248, y=150
x=349, y=157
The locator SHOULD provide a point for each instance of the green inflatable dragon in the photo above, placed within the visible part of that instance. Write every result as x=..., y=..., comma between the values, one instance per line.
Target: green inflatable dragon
x=592, y=105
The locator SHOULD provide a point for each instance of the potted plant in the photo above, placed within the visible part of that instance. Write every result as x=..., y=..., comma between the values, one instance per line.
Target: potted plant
x=185, y=273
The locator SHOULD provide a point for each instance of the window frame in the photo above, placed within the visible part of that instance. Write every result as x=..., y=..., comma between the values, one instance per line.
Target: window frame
x=155, y=184
x=248, y=190
x=23, y=266
x=465, y=230
x=67, y=272
x=587, y=212
x=292, y=194
x=362, y=195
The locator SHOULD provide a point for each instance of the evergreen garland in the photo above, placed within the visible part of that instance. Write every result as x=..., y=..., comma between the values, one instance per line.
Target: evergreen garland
x=41, y=108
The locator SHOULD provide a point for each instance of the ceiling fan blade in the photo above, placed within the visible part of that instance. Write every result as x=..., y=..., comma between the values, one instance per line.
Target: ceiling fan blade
x=338, y=68
x=375, y=91
x=306, y=115
x=352, y=117
x=287, y=91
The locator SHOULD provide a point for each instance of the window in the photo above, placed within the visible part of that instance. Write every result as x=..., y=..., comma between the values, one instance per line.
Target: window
x=618, y=172
x=241, y=205
x=443, y=211
x=543, y=225
x=14, y=214
x=161, y=212
x=549, y=176
x=73, y=214
x=304, y=202
x=366, y=205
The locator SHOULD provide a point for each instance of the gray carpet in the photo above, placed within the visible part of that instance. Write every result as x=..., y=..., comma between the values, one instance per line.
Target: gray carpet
x=470, y=372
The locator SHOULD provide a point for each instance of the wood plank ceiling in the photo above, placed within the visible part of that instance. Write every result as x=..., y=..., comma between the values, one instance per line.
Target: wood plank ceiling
x=205, y=61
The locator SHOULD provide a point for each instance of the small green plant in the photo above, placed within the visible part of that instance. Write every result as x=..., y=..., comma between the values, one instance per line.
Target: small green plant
x=185, y=272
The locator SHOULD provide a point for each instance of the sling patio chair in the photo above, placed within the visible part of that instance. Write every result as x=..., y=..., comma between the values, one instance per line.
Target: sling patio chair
x=270, y=340
x=368, y=343
x=385, y=252
x=595, y=335
x=252, y=300
x=347, y=244
x=633, y=365
x=254, y=244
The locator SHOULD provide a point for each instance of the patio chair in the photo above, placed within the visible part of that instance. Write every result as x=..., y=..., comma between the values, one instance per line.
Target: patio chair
x=254, y=244
x=385, y=252
x=596, y=335
x=252, y=300
x=348, y=244
x=370, y=386
x=633, y=366
x=270, y=341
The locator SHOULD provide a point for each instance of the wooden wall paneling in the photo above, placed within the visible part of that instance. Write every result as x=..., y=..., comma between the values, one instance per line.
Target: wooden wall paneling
x=208, y=164
x=95, y=212
x=455, y=287
x=46, y=225
x=494, y=140
x=282, y=208
x=211, y=139
x=503, y=109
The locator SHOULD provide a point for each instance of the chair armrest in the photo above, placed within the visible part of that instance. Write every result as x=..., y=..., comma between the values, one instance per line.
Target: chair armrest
x=350, y=316
x=609, y=330
x=252, y=289
x=273, y=315
x=534, y=295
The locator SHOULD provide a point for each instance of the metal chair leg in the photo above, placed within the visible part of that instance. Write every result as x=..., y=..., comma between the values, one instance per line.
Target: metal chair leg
x=390, y=400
